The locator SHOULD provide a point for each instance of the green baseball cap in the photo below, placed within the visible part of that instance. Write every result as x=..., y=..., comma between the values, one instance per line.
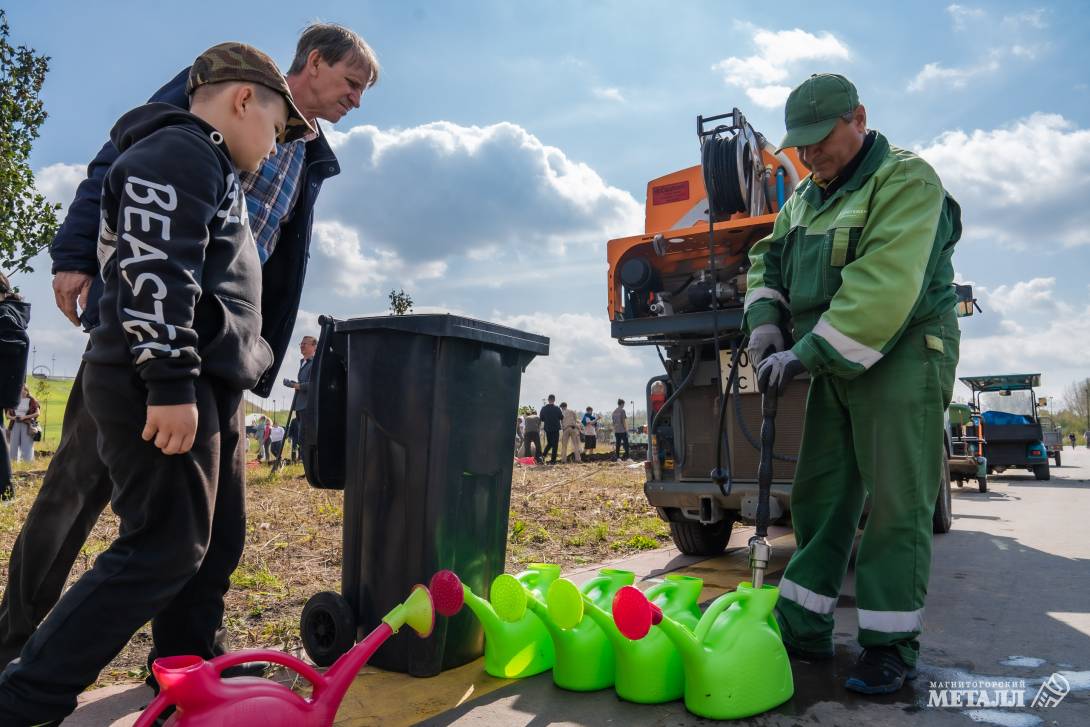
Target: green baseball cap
x=242, y=62
x=814, y=106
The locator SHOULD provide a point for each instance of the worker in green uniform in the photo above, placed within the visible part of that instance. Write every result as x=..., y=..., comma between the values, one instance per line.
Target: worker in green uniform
x=856, y=277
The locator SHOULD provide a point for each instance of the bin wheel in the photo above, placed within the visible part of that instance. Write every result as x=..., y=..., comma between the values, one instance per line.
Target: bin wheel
x=1040, y=471
x=693, y=538
x=328, y=627
x=982, y=483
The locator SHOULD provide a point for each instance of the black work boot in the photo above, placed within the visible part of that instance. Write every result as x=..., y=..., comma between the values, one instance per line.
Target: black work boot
x=879, y=670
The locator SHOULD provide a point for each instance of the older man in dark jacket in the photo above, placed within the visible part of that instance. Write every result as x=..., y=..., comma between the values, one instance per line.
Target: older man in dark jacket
x=332, y=68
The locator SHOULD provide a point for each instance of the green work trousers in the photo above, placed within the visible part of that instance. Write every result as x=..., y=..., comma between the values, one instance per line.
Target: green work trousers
x=878, y=436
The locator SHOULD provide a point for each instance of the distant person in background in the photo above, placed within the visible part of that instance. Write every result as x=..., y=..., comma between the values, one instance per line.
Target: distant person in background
x=1071, y=438
x=531, y=426
x=14, y=347
x=620, y=430
x=590, y=430
x=22, y=423
x=308, y=346
x=1086, y=438
x=569, y=433
x=276, y=441
x=551, y=419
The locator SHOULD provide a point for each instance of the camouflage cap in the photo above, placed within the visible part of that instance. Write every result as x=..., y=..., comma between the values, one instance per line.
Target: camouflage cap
x=240, y=62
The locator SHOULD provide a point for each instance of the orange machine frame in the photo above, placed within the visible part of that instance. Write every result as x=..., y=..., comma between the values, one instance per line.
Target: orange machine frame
x=675, y=209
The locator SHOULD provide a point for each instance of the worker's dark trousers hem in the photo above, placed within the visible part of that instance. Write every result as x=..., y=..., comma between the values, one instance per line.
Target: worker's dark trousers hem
x=75, y=490
x=552, y=443
x=181, y=536
x=618, y=440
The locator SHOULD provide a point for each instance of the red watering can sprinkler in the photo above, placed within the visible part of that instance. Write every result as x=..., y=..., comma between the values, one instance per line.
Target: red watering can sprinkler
x=204, y=699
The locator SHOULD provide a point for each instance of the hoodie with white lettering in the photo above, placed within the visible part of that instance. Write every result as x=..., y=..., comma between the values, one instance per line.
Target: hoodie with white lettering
x=182, y=278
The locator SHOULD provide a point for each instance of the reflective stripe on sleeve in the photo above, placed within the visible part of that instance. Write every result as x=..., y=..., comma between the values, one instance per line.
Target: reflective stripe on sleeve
x=806, y=598
x=849, y=349
x=891, y=622
x=757, y=294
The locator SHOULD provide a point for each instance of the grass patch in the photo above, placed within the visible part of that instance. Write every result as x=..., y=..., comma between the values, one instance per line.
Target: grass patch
x=260, y=577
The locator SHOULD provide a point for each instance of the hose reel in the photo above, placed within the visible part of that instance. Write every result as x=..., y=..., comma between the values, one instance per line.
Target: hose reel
x=734, y=170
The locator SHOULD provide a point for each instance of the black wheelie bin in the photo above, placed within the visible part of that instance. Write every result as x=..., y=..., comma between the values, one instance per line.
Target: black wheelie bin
x=414, y=418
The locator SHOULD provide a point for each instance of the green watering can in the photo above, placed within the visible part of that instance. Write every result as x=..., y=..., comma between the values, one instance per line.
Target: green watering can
x=520, y=647
x=584, y=657
x=735, y=662
x=649, y=671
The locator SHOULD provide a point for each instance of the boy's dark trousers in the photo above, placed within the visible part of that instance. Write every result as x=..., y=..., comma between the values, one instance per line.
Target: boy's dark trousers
x=618, y=438
x=181, y=536
x=552, y=442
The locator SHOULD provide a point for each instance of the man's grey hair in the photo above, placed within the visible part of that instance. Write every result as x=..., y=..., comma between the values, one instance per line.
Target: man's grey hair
x=333, y=43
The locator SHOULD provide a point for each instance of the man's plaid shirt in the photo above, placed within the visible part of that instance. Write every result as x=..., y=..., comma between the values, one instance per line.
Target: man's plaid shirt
x=271, y=193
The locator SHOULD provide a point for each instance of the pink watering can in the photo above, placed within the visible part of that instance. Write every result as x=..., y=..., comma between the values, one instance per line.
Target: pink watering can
x=204, y=699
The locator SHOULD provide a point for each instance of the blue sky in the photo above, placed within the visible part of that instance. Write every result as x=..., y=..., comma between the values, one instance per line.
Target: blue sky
x=506, y=142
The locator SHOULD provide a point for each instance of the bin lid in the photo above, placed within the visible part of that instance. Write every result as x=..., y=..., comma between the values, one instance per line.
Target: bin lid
x=445, y=325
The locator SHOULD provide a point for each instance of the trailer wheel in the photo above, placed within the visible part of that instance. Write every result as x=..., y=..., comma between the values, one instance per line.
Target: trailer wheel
x=1040, y=471
x=693, y=538
x=982, y=483
x=328, y=627
x=942, y=518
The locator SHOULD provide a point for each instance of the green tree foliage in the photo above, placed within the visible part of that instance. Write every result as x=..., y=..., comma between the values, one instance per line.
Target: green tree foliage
x=1077, y=403
x=400, y=302
x=27, y=220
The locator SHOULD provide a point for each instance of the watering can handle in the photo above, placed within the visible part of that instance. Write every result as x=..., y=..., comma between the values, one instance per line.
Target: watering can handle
x=594, y=583
x=152, y=711
x=276, y=657
x=718, y=606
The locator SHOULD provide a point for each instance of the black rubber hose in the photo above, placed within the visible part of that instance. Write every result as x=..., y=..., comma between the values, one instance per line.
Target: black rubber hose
x=769, y=404
x=719, y=160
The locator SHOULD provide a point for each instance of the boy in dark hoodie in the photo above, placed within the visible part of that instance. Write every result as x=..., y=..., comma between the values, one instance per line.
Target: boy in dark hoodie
x=178, y=344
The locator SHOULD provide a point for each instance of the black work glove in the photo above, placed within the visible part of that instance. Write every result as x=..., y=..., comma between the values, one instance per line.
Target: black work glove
x=777, y=370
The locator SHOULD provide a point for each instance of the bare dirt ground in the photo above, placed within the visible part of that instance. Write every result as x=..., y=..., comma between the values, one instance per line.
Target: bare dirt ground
x=569, y=514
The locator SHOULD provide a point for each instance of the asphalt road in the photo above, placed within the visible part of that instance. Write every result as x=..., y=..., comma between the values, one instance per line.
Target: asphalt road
x=1009, y=606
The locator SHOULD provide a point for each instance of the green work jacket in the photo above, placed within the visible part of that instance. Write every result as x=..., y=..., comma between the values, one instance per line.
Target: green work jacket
x=853, y=272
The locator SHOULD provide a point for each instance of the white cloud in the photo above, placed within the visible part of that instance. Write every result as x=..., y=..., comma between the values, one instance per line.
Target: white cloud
x=935, y=74
x=585, y=367
x=1029, y=19
x=58, y=182
x=1027, y=327
x=609, y=94
x=1036, y=296
x=1006, y=181
x=354, y=273
x=763, y=74
x=438, y=192
x=963, y=15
